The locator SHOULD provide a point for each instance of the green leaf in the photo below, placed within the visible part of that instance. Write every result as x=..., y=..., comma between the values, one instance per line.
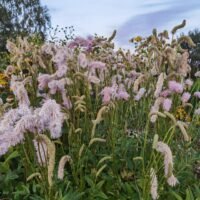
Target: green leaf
x=178, y=197
x=189, y=195
x=102, y=195
x=89, y=181
x=100, y=184
x=14, y=154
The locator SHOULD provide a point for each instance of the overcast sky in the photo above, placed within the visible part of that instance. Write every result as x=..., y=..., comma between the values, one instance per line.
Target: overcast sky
x=128, y=17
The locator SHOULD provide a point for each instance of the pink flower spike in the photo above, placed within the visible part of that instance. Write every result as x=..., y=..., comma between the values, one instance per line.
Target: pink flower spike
x=185, y=97
x=167, y=103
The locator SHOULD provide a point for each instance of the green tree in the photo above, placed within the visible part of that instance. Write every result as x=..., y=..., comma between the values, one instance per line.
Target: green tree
x=194, y=59
x=21, y=18
x=195, y=52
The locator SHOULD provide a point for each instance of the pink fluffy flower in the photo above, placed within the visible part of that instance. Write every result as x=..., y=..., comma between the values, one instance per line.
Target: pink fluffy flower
x=106, y=93
x=197, y=74
x=175, y=86
x=165, y=93
x=52, y=117
x=82, y=42
x=189, y=82
x=166, y=104
x=185, y=97
x=123, y=94
x=197, y=94
x=20, y=92
x=109, y=93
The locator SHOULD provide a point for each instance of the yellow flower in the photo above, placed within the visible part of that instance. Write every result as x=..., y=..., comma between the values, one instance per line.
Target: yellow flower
x=181, y=114
x=3, y=80
x=138, y=39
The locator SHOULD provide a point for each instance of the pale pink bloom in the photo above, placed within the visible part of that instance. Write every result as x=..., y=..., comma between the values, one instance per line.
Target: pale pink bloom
x=155, y=108
x=97, y=65
x=159, y=84
x=30, y=123
x=197, y=74
x=197, y=94
x=41, y=152
x=11, y=117
x=122, y=94
x=154, y=184
x=82, y=42
x=185, y=97
x=51, y=115
x=165, y=93
x=197, y=111
x=21, y=120
x=167, y=103
x=175, y=86
x=109, y=93
x=168, y=162
x=140, y=94
x=82, y=60
x=19, y=92
x=172, y=180
x=189, y=82
x=106, y=98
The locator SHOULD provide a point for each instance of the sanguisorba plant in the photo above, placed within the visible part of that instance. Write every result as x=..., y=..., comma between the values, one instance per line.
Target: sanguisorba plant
x=93, y=122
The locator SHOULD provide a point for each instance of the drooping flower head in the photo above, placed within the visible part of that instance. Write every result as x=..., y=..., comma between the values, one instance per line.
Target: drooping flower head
x=168, y=162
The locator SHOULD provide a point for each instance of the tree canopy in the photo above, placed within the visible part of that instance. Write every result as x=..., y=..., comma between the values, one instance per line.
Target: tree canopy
x=22, y=17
